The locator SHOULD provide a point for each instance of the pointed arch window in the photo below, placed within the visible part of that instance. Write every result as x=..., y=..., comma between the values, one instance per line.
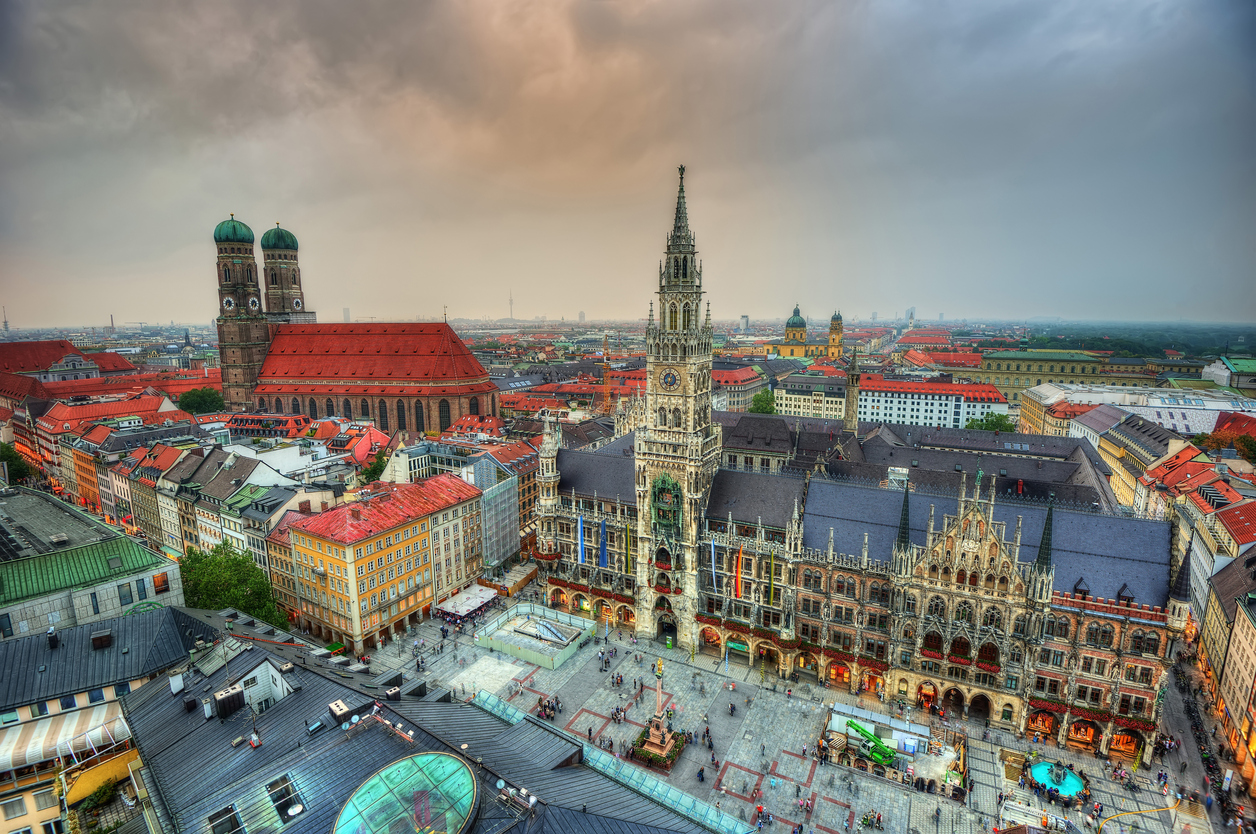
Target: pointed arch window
x=937, y=608
x=676, y=418
x=347, y=408
x=296, y=406
x=684, y=266
x=249, y=272
x=672, y=315
x=331, y=407
x=444, y=414
x=365, y=414
x=313, y=409
x=401, y=415
x=261, y=405
x=382, y=410
x=274, y=278
x=419, y=424
x=226, y=274
x=474, y=405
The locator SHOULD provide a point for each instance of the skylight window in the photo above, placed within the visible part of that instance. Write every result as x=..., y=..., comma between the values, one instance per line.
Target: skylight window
x=283, y=795
x=226, y=821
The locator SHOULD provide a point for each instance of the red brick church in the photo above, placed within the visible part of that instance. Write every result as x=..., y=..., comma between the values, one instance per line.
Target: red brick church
x=277, y=359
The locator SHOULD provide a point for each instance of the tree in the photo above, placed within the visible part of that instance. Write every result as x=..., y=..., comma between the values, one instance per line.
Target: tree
x=763, y=403
x=226, y=578
x=201, y=401
x=372, y=472
x=19, y=469
x=992, y=422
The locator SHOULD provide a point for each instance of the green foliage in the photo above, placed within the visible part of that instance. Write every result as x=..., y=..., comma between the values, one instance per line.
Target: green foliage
x=992, y=422
x=19, y=469
x=372, y=472
x=201, y=401
x=100, y=797
x=763, y=403
x=226, y=578
x=1218, y=440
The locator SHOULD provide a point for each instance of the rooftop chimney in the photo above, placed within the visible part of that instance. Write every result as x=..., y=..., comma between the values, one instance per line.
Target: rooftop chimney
x=355, y=513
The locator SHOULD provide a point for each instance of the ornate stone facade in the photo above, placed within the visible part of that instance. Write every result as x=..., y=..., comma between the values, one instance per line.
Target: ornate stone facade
x=650, y=535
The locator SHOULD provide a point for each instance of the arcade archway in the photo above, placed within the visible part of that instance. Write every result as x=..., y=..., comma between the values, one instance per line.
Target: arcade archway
x=558, y=599
x=839, y=673
x=602, y=610
x=953, y=702
x=768, y=656
x=1084, y=734
x=979, y=708
x=926, y=695
x=666, y=626
x=1042, y=724
x=1126, y=743
x=625, y=616
x=710, y=642
x=807, y=667
x=580, y=604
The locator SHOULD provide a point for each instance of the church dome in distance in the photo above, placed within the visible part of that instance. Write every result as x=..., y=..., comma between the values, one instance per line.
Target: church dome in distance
x=278, y=238
x=233, y=231
x=796, y=320
x=837, y=318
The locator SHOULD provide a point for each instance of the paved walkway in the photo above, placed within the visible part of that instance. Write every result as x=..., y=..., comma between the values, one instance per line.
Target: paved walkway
x=759, y=749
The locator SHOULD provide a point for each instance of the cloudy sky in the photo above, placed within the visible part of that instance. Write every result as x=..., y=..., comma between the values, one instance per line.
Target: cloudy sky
x=988, y=158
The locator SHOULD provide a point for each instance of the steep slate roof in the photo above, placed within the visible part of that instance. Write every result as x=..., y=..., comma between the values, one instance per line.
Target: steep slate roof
x=751, y=496
x=155, y=640
x=406, y=359
x=760, y=433
x=609, y=476
x=197, y=770
x=1232, y=581
x=77, y=567
x=1107, y=551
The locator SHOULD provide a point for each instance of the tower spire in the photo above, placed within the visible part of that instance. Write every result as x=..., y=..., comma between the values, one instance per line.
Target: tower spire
x=1043, y=562
x=904, y=521
x=681, y=227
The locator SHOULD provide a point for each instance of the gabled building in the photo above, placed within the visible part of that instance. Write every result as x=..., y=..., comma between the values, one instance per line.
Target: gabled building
x=59, y=710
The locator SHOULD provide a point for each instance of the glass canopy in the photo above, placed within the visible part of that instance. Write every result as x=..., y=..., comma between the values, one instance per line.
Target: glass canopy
x=431, y=793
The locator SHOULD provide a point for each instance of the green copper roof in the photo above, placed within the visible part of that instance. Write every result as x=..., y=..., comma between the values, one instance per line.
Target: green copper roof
x=278, y=238
x=427, y=792
x=76, y=567
x=837, y=317
x=796, y=320
x=1042, y=356
x=233, y=231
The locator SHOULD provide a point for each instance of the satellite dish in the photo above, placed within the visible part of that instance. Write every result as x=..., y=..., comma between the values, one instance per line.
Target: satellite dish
x=293, y=810
x=355, y=719
x=501, y=783
x=344, y=726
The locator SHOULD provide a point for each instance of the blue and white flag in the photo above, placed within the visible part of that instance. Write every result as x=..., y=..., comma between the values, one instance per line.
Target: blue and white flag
x=715, y=583
x=580, y=539
x=601, y=546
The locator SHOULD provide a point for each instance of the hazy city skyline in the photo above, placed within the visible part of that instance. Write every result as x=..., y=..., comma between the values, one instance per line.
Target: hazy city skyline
x=1086, y=160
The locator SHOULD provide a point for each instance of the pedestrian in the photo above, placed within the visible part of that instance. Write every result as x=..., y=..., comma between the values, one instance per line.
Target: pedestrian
x=590, y=732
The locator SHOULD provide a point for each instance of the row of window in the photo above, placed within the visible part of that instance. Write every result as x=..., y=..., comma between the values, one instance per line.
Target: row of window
x=382, y=413
x=67, y=702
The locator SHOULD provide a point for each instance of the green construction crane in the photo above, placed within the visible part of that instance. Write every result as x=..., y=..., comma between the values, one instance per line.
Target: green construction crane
x=872, y=747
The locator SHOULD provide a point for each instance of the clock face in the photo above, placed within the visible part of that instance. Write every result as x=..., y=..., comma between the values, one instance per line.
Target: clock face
x=296, y=304
x=228, y=303
x=254, y=304
x=669, y=380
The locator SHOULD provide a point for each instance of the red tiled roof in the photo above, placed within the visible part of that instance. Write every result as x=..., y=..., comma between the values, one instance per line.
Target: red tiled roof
x=389, y=506
x=735, y=377
x=972, y=391
x=97, y=434
x=55, y=418
x=1067, y=411
x=423, y=359
x=31, y=357
x=1236, y=422
x=17, y=387
x=476, y=424
x=924, y=340
x=172, y=384
x=109, y=362
x=280, y=535
x=953, y=359
x=1240, y=520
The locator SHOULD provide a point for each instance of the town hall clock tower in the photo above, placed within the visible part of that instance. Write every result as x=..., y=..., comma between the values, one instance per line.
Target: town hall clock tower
x=677, y=447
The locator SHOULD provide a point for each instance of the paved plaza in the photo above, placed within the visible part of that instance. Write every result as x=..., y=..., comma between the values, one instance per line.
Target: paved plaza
x=760, y=749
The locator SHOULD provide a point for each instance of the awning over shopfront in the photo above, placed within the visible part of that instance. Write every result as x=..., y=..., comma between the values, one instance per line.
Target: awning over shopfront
x=468, y=602
x=76, y=732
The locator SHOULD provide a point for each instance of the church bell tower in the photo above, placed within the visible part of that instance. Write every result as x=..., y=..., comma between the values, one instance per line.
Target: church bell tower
x=678, y=447
x=243, y=333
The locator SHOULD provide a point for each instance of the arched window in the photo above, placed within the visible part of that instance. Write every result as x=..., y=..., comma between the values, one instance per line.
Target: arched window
x=331, y=407
x=401, y=415
x=937, y=607
x=274, y=278
x=1015, y=655
x=961, y=577
x=671, y=318
x=1151, y=643
x=685, y=317
x=988, y=653
x=294, y=278
x=1092, y=634
x=960, y=647
x=444, y=415
x=347, y=408
x=684, y=268
x=990, y=581
x=249, y=272
x=382, y=411
x=296, y=406
x=676, y=418
x=1136, y=641
x=313, y=409
x=365, y=413
x=933, y=642
x=662, y=420
x=419, y=425
x=1018, y=626
x=964, y=613
x=226, y=273
x=474, y=405
x=1105, y=635
x=972, y=579
x=992, y=618
x=261, y=405
x=933, y=571
x=806, y=580
x=1062, y=628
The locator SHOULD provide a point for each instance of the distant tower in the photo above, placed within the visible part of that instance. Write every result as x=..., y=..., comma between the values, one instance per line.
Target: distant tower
x=796, y=327
x=243, y=333
x=285, y=300
x=835, y=336
x=850, y=416
x=346, y=312
x=6, y=320
x=582, y=316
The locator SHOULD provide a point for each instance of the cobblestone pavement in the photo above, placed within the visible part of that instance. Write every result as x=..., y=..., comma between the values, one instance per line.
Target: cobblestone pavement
x=759, y=749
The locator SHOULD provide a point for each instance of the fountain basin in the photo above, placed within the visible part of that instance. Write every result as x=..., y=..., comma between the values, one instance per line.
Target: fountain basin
x=1070, y=785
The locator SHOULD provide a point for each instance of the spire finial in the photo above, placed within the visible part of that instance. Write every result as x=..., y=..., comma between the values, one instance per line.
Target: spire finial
x=1043, y=562
x=680, y=229
x=233, y=215
x=904, y=521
